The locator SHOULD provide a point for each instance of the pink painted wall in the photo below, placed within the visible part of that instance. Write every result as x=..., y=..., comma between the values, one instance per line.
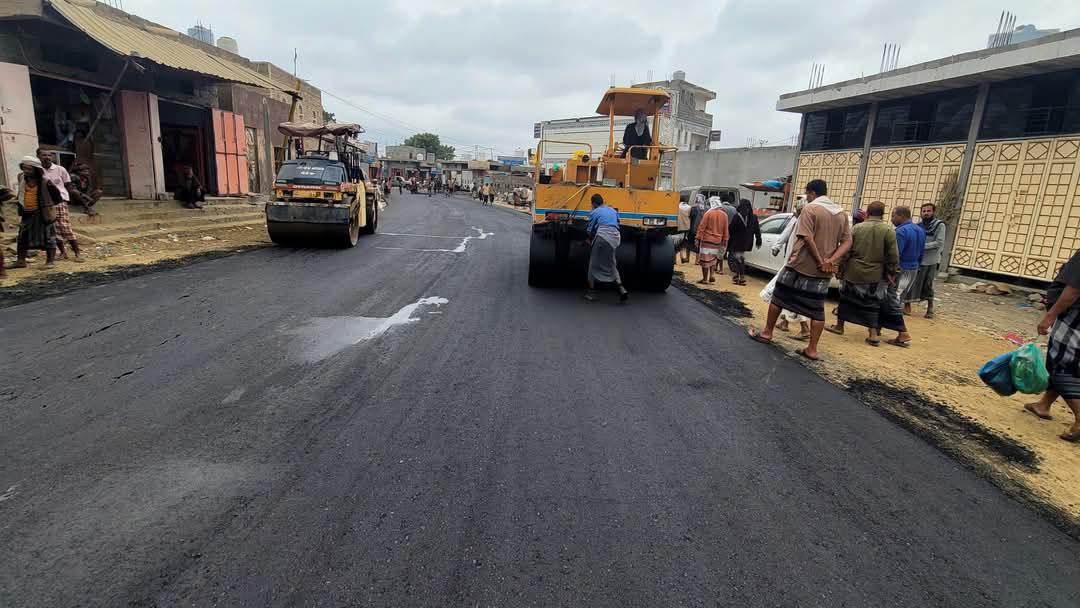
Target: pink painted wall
x=142, y=144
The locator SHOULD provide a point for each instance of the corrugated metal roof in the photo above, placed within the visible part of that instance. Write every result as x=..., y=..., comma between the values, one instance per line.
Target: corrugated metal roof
x=131, y=38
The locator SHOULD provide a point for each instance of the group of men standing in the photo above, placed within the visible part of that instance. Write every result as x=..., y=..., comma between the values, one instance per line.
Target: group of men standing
x=883, y=268
x=43, y=191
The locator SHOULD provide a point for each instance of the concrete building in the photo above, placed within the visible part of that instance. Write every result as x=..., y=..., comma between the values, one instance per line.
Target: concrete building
x=733, y=166
x=684, y=124
x=1004, y=121
x=201, y=33
x=1022, y=33
x=135, y=100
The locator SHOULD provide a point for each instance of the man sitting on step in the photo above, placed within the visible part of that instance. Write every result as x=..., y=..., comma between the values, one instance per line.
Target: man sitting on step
x=190, y=193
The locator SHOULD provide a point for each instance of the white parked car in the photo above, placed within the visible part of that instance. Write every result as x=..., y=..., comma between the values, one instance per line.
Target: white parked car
x=762, y=258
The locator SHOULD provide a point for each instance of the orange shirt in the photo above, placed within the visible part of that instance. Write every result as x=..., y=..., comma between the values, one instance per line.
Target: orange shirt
x=30, y=197
x=714, y=226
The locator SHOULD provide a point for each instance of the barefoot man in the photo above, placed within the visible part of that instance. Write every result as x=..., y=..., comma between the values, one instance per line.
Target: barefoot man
x=1062, y=324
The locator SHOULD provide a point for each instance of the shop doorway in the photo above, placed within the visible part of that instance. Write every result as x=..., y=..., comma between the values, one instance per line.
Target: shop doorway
x=65, y=112
x=184, y=142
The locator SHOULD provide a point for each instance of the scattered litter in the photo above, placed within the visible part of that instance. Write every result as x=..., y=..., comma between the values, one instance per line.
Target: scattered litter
x=1015, y=338
x=1035, y=298
x=208, y=238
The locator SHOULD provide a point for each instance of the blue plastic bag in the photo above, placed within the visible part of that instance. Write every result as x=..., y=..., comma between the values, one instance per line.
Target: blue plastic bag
x=997, y=374
x=1029, y=374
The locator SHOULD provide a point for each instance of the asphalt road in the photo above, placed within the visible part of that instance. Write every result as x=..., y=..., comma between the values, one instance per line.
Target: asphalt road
x=271, y=429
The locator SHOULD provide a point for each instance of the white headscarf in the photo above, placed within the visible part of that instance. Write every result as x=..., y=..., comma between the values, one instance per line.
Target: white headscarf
x=715, y=202
x=699, y=200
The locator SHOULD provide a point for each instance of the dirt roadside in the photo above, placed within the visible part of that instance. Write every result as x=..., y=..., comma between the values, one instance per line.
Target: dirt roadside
x=113, y=261
x=932, y=388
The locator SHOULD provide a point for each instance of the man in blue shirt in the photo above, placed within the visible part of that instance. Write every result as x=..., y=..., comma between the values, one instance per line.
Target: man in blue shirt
x=604, y=240
x=910, y=241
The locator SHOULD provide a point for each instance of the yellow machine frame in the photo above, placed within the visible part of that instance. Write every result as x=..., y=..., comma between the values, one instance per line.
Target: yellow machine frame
x=559, y=247
x=627, y=184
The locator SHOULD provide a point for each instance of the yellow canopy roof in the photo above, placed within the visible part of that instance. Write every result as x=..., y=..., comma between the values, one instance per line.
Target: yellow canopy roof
x=122, y=34
x=627, y=100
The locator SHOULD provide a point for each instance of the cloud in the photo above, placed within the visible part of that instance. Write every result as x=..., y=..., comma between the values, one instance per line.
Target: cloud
x=481, y=72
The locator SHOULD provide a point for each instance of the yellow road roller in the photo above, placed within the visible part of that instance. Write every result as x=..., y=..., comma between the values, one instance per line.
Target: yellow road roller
x=629, y=181
x=320, y=199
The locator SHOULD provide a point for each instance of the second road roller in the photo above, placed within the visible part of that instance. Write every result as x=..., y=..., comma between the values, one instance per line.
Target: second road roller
x=321, y=199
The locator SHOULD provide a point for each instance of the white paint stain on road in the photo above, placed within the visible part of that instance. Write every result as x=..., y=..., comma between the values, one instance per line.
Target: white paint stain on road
x=234, y=396
x=479, y=236
x=322, y=337
x=9, y=494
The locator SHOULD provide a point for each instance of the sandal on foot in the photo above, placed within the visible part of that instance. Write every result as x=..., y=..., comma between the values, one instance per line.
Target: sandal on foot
x=801, y=337
x=873, y=342
x=898, y=342
x=1030, y=408
x=1071, y=436
x=832, y=329
x=756, y=336
x=802, y=352
x=929, y=314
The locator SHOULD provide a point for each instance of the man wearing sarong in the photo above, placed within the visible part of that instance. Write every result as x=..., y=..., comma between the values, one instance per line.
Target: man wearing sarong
x=1062, y=324
x=37, y=214
x=868, y=290
x=824, y=238
x=712, y=240
x=58, y=176
x=911, y=241
x=604, y=238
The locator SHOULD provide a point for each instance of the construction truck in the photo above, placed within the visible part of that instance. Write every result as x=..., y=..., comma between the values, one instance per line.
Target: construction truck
x=628, y=181
x=321, y=198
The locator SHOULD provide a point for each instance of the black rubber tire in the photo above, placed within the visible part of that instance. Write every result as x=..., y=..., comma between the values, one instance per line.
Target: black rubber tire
x=373, y=223
x=541, y=260
x=657, y=264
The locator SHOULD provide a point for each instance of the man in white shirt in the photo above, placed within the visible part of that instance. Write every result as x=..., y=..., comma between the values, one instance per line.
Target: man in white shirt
x=59, y=177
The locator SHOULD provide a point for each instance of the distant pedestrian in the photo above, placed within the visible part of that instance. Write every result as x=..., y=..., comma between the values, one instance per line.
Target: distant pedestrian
x=1062, y=324
x=6, y=196
x=727, y=204
x=744, y=235
x=36, y=199
x=784, y=244
x=58, y=176
x=868, y=294
x=190, y=192
x=824, y=238
x=858, y=216
x=923, y=288
x=697, y=211
x=712, y=240
x=682, y=228
x=604, y=240
x=910, y=240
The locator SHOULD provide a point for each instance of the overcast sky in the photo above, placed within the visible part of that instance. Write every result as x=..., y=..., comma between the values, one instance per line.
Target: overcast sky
x=481, y=72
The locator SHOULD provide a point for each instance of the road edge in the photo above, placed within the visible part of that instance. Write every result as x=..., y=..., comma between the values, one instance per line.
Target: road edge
x=959, y=446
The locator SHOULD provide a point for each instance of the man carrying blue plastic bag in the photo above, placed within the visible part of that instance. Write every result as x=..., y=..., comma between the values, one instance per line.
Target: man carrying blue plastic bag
x=1062, y=324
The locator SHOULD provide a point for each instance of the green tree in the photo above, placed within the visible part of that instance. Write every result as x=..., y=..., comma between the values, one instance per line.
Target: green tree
x=431, y=143
x=328, y=117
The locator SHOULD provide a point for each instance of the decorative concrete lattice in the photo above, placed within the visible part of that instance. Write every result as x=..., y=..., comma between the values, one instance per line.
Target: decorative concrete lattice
x=1022, y=203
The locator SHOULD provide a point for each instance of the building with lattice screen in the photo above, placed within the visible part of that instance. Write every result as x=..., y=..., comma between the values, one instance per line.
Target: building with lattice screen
x=1005, y=122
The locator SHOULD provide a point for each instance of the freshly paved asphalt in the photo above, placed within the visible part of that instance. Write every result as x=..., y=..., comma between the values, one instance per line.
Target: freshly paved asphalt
x=222, y=435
